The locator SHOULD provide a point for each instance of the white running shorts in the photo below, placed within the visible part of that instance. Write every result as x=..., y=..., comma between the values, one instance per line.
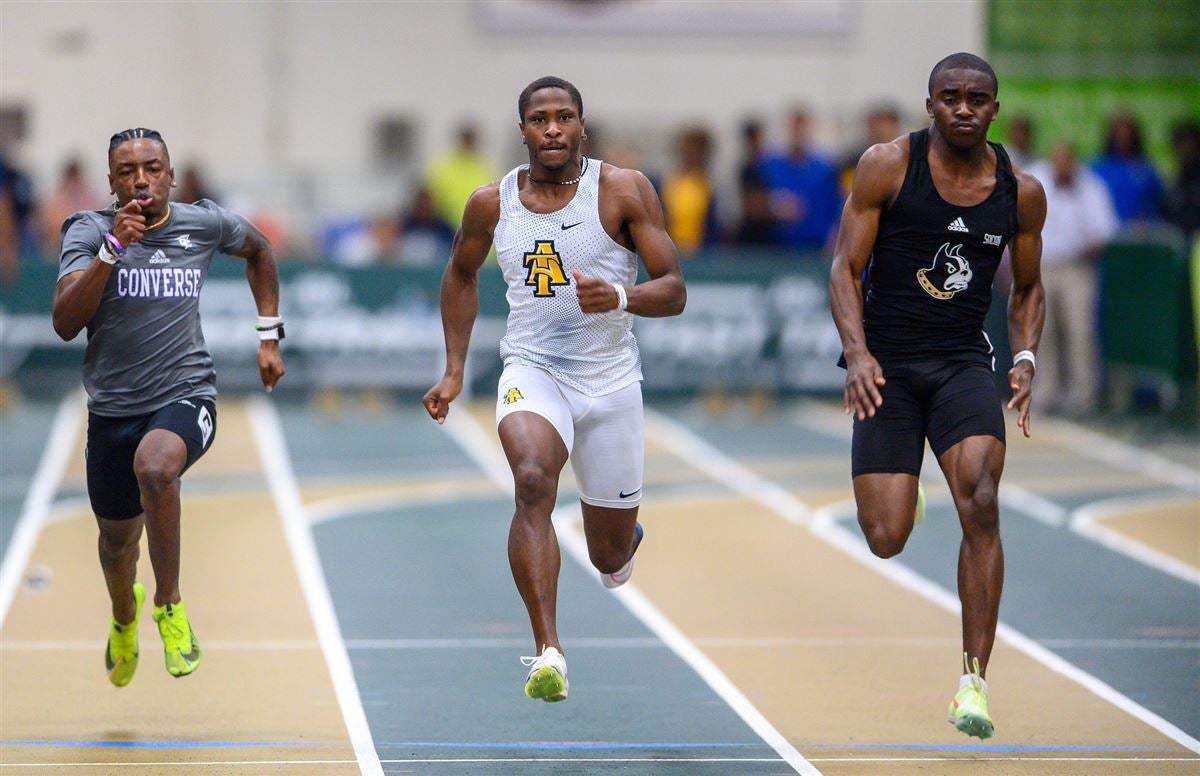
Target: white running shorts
x=604, y=435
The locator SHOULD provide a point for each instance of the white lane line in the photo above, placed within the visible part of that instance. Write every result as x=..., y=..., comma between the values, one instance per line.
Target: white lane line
x=1038, y=507
x=1082, y=521
x=1086, y=521
x=721, y=468
x=281, y=478
x=484, y=450
x=60, y=441
x=824, y=523
x=1103, y=448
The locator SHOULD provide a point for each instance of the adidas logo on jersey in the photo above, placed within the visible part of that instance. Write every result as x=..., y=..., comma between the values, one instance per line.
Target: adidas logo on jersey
x=159, y=257
x=957, y=225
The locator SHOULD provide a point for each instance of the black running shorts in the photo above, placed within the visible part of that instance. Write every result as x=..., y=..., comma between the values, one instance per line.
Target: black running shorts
x=112, y=442
x=942, y=402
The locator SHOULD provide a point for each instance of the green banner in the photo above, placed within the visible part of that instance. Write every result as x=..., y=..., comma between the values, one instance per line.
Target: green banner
x=749, y=324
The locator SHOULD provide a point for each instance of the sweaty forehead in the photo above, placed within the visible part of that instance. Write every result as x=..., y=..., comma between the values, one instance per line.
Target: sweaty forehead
x=962, y=78
x=139, y=150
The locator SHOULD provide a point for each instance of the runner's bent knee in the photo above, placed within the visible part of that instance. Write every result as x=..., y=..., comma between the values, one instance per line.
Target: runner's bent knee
x=886, y=535
x=534, y=482
x=980, y=507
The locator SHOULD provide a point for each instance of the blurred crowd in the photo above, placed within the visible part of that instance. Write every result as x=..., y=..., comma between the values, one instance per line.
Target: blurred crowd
x=784, y=198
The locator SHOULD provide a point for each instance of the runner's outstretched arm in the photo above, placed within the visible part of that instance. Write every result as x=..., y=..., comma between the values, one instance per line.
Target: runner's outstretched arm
x=1027, y=302
x=262, y=273
x=874, y=186
x=460, y=293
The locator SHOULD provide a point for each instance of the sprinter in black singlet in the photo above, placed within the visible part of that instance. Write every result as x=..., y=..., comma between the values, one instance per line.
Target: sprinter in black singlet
x=929, y=217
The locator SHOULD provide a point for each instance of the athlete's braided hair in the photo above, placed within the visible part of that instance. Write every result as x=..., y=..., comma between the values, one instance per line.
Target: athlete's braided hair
x=133, y=134
x=548, y=82
x=965, y=61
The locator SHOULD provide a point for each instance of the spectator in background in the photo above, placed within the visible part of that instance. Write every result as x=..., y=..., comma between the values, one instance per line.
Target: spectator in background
x=452, y=176
x=1020, y=141
x=16, y=209
x=424, y=236
x=1132, y=181
x=882, y=126
x=753, y=153
x=193, y=186
x=804, y=192
x=1080, y=220
x=687, y=194
x=10, y=239
x=1182, y=201
x=756, y=226
x=71, y=195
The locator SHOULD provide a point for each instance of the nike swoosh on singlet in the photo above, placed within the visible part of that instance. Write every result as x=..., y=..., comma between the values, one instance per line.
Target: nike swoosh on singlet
x=623, y=494
x=565, y=227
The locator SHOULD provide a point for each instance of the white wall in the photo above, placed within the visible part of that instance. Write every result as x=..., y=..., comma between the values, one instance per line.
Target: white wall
x=252, y=88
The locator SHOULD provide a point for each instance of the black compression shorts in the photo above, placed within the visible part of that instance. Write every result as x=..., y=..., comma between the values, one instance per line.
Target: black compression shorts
x=112, y=442
x=942, y=402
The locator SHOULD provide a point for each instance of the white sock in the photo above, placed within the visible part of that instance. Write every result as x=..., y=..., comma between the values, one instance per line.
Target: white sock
x=966, y=679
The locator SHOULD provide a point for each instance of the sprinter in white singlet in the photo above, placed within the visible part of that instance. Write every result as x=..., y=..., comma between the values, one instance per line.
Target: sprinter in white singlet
x=568, y=232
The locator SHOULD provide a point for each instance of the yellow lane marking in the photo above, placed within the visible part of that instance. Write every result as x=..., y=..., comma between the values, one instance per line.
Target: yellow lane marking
x=1171, y=528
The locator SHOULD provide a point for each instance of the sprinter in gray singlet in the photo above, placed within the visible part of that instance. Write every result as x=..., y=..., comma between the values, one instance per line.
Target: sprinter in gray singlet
x=132, y=276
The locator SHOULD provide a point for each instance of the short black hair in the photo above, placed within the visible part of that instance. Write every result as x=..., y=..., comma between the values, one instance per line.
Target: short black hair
x=548, y=82
x=133, y=134
x=965, y=61
x=1137, y=146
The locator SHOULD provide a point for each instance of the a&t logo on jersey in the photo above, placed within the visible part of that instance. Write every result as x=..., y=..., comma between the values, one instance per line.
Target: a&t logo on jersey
x=949, y=274
x=512, y=396
x=545, y=269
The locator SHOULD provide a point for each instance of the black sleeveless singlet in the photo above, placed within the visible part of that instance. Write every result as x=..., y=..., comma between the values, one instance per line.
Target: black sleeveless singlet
x=929, y=282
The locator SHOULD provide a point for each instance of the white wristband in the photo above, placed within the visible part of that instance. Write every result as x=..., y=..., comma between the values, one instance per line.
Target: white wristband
x=622, y=296
x=105, y=255
x=1025, y=355
x=269, y=327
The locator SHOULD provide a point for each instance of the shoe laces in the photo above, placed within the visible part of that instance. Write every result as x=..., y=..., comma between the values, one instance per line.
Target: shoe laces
x=971, y=669
x=176, y=630
x=533, y=660
x=123, y=637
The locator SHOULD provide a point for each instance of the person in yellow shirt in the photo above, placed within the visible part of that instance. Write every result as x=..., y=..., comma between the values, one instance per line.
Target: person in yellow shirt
x=688, y=194
x=456, y=173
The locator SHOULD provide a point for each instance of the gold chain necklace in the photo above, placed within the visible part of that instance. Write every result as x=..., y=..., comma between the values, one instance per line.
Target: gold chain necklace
x=160, y=221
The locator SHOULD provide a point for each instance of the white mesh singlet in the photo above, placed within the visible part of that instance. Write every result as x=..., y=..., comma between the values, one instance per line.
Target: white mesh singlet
x=595, y=353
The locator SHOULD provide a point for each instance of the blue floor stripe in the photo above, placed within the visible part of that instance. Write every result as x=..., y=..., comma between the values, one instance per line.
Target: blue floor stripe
x=618, y=745
x=561, y=745
x=169, y=744
x=581, y=746
x=994, y=747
